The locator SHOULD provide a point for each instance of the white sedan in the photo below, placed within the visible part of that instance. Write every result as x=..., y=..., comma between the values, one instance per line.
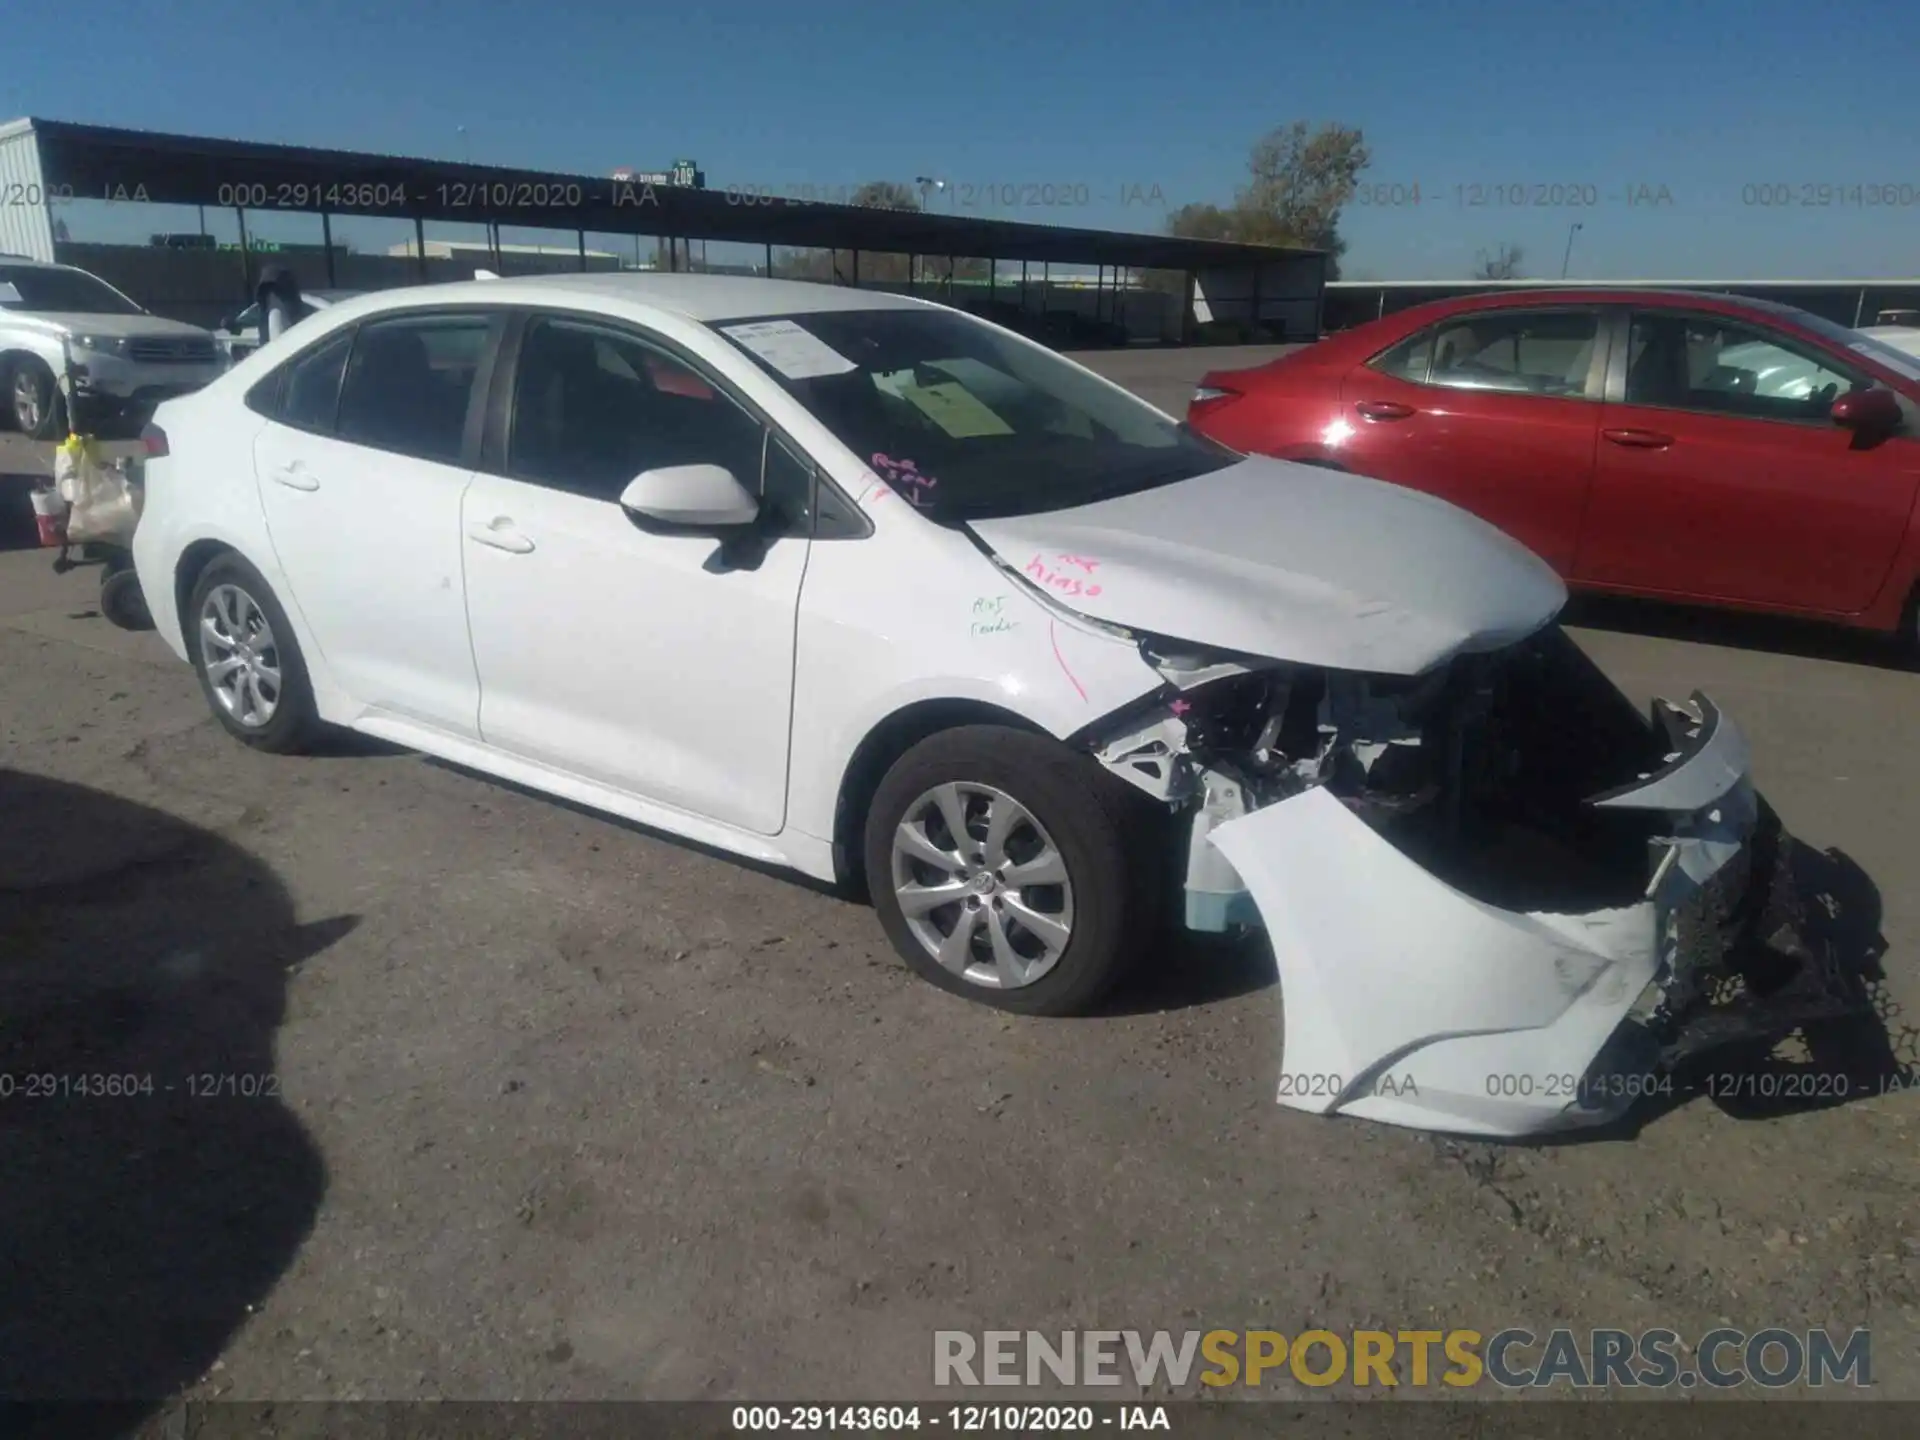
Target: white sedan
x=863, y=586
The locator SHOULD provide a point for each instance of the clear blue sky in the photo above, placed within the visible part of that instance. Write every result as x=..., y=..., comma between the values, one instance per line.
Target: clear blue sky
x=1705, y=98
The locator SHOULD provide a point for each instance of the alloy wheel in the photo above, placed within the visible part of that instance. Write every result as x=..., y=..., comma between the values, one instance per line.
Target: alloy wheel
x=28, y=408
x=240, y=655
x=982, y=885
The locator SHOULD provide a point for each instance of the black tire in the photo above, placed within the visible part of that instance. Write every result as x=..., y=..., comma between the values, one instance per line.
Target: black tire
x=294, y=719
x=121, y=601
x=1096, y=825
x=48, y=417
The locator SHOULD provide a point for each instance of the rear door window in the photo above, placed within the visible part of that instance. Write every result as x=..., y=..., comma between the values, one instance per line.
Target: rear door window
x=1527, y=352
x=409, y=384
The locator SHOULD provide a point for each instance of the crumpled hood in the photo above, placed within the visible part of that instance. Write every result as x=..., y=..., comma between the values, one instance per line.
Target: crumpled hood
x=1294, y=562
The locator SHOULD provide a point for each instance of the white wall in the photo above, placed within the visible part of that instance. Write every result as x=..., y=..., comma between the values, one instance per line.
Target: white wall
x=26, y=227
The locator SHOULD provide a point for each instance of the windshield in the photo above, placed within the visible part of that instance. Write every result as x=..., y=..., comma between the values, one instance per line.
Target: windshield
x=965, y=422
x=1898, y=361
x=1905, y=362
x=57, y=290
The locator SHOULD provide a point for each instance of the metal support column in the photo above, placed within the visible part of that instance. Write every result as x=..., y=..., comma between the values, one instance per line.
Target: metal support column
x=583, y=248
x=856, y=270
x=770, y=259
x=1189, y=323
x=326, y=240
x=420, y=246
x=1859, y=309
x=1023, y=287
x=246, y=255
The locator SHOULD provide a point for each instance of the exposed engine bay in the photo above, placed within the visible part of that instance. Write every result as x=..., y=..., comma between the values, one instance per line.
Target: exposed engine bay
x=1501, y=899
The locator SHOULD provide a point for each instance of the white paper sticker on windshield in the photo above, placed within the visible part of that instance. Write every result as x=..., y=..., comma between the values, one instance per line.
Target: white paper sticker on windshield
x=792, y=351
x=9, y=295
x=955, y=410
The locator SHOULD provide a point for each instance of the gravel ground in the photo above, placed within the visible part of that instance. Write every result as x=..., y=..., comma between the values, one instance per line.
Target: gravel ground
x=516, y=1101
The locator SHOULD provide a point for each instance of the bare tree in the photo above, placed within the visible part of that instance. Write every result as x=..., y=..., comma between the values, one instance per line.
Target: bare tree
x=886, y=195
x=1502, y=264
x=1300, y=178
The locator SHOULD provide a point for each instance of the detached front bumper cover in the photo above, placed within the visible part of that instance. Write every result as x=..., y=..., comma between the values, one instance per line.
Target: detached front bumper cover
x=1410, y=1002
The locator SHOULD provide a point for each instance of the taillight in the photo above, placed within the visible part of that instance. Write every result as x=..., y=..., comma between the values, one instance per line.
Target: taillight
x=154, y=440
x=1208, y=398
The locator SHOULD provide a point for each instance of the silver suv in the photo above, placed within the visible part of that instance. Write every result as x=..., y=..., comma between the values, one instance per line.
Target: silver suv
x=71, y=343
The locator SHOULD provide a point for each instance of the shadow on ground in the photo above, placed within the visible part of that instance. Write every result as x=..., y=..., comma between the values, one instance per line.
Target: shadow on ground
x=154, y=1186
x=1734, y=630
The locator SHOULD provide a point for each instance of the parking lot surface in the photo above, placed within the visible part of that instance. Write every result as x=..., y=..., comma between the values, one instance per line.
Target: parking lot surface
x=456, y=1091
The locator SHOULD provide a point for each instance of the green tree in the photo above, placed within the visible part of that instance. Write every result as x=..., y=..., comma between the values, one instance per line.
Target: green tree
x=1300, y=177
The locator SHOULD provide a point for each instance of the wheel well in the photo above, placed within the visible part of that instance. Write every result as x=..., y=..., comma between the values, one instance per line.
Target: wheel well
x=195, y=558
x=886, y=743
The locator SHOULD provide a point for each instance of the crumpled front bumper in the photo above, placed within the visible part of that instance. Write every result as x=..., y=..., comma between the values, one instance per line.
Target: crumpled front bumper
x=1410, y=1002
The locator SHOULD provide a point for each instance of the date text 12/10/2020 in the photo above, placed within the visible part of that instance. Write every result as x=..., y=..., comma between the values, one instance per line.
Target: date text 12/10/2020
x=1515, y=195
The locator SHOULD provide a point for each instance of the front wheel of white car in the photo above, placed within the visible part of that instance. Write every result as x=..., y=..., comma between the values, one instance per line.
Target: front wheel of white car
x=1008, y=869
x=34, y=402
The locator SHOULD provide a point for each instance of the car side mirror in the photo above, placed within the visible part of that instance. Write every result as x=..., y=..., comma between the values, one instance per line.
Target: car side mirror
x=701, y=498
x=1870, y=412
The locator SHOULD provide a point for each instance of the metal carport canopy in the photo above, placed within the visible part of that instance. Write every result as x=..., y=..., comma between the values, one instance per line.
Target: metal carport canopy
x=100, y=162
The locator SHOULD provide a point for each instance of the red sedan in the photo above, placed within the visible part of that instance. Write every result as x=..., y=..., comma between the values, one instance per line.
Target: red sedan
x=1692, y=447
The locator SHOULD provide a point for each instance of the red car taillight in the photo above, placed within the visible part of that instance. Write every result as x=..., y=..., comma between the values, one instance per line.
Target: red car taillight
x=1209, y=398
x=154, y=440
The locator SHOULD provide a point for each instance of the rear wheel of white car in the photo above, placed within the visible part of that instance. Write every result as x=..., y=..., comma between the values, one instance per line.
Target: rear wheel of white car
x=248, y=660
x=1007, y=869
x=34, y=402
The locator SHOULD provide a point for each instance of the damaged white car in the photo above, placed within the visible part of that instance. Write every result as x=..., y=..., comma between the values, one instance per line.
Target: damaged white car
x=859, y=585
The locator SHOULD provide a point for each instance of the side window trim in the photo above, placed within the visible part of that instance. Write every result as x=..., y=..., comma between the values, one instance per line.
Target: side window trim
x=1593, y=387
x=1616, y=390
x=498, y=420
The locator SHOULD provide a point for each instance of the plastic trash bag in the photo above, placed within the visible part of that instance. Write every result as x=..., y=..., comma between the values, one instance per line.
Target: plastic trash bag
x=99, y=494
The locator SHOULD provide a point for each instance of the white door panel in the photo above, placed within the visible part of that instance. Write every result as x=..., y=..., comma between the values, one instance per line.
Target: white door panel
x=614, y=654
x=370, y=543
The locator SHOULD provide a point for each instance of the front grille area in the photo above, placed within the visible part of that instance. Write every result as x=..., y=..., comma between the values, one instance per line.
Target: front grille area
x=170, y=349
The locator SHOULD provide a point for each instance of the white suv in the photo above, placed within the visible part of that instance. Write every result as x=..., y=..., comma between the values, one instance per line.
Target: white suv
x=67, y=336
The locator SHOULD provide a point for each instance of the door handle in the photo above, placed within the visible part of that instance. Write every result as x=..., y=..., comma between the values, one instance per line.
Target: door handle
x=293, y=476
x=1638, y=439
x=1384, y=409
x=501, y=535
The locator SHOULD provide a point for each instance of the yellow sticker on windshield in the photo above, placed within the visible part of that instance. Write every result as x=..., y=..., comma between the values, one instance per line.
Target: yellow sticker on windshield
x=954, y=409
